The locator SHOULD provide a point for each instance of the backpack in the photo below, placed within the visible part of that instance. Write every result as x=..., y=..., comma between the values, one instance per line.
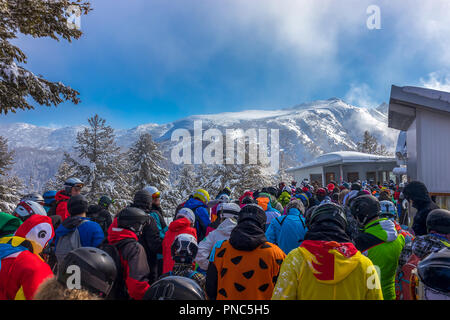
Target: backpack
x=68, y=242
x=119, y=290
x=199, y=225
x=403, y=279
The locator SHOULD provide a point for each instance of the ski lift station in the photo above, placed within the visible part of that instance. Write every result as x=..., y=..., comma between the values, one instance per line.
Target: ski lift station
x=346, y=166
x=423, y=116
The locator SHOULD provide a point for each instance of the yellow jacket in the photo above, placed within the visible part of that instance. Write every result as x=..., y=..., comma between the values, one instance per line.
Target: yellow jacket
x=320, y=270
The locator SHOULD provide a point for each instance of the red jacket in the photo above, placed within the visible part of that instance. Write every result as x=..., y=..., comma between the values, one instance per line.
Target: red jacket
x=133, y=259
x=21, y=275
x=61, y=207
x=176, y=227
x=22, y=270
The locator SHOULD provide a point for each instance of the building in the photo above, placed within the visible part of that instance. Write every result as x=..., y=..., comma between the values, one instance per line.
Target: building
x=424, y=117
x=347, y=166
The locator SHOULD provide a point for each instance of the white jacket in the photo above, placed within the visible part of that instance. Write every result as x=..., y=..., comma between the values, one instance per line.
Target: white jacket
x=205, y=247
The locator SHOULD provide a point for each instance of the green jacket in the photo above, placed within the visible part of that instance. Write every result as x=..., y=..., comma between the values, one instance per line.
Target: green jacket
x=381, y=243
x=8, y=224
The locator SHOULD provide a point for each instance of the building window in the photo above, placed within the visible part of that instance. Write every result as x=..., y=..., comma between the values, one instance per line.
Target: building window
x=315, y=177
x=371, y=176
x=352, y=176
x=330, y=176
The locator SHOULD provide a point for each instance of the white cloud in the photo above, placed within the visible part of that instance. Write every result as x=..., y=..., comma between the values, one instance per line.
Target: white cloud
x=360, y=95
x=437, y=81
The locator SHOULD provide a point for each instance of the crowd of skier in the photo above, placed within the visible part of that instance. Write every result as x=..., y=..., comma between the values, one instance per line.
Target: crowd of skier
x=290, y=242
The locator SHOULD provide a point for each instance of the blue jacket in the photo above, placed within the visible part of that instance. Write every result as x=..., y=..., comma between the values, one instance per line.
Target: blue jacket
x=201, y=212
x=91, y=234
x=287, y=232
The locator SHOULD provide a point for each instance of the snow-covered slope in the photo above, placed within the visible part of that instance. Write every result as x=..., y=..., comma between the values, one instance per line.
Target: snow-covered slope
x=306, y=131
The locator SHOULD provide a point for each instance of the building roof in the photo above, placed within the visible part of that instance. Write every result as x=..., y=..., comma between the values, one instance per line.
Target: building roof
x=343, y=157
x=405, y=100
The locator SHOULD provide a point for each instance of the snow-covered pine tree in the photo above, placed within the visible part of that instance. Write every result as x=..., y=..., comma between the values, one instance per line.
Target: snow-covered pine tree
x=39, y=19
x=186, y=182
x=6, y=156
x=370, y=145
x=11, y=191
x=11, y=187
x=66, y=170
x=101, y=166
x=145, y=159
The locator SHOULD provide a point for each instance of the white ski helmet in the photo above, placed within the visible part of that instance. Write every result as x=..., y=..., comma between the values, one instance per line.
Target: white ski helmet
x=152, y=190
x=36, y=197
x=27, y=208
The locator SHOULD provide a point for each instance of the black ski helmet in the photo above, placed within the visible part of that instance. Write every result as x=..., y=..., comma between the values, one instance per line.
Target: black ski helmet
x=133, y=219
x=184, y=248
x=327, y=212
x=97, y=270
x=438, y=221
x=105, y=201
x=175, y=288
x=365, y=208
x=434, y=271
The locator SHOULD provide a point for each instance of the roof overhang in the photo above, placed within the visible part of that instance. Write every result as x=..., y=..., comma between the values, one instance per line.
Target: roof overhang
x=404, y=102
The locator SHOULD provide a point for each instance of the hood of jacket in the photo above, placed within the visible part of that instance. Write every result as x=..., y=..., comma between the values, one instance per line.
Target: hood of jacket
x=68, y=225
x=38, y=230
x=247, y=236
x=61, y=196
x=384, y=229
x=417, y=191
x=8, y=224
x=179, y=225
x=297, y=204
x=226, y=227
x=116, y=234
x=194, y=203
x=330, y=262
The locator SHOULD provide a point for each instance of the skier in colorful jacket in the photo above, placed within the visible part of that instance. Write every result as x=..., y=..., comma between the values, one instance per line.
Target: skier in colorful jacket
x=127, y=227
x=327, y=265
x=22, y=270
x=246, y=266
x=379, y=241
x=199, y=205
x=288, y=231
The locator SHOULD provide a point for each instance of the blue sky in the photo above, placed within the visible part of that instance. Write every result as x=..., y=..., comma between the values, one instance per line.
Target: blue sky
x=155, y=61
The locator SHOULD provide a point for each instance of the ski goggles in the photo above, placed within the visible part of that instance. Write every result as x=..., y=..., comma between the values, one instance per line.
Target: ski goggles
x=156, y=195
x=78, y=186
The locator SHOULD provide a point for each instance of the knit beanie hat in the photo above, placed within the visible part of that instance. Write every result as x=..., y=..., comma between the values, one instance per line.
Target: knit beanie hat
x=77, y=205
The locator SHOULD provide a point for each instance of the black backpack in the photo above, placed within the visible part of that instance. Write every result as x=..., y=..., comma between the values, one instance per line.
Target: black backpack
x=119, y=290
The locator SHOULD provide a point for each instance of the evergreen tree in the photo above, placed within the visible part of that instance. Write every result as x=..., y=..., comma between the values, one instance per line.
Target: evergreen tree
x=186, y=182
x=145, y=158
x=370, y=145
x=101, y=166
x=11, y=187
x=6, y=156
x=39, y=19
x=11, y=191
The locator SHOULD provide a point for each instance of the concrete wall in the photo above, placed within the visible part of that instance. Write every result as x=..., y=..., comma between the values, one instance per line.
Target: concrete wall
x=411, y=143
x=433, y=151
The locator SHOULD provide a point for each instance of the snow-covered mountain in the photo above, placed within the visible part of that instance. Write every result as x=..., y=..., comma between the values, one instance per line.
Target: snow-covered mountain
x=306, y=131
